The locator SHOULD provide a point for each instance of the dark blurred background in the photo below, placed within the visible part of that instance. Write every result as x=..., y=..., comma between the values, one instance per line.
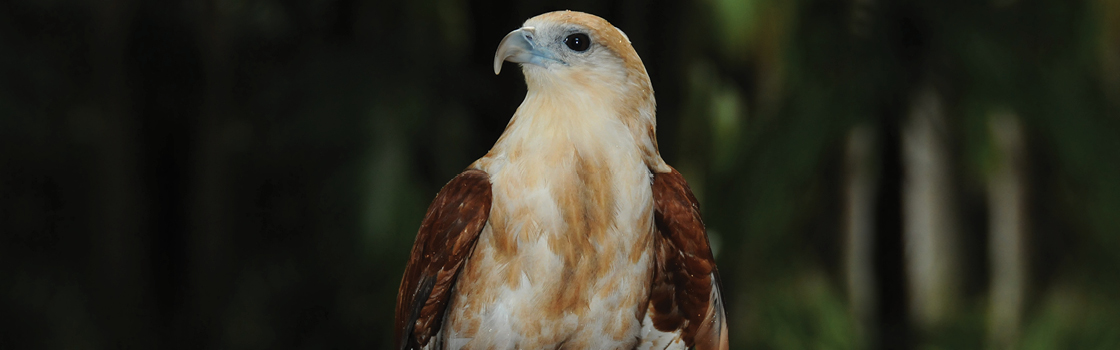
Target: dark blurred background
x=250, y=174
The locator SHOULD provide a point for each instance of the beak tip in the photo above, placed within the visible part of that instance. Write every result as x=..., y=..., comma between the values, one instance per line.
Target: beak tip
x=515, y=47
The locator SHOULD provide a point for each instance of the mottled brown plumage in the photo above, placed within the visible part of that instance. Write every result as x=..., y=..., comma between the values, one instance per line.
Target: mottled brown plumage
x=446, y=238
x=685, y=271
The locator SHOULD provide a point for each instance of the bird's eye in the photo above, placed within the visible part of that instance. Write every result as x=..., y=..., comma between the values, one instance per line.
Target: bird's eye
x=578, y=42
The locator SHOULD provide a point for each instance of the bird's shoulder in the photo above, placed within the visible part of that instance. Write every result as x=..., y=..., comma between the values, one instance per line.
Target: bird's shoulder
x=446, y=237
x=685, y=305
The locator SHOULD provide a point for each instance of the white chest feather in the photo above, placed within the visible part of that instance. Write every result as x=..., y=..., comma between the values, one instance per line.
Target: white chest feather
x=564, y=260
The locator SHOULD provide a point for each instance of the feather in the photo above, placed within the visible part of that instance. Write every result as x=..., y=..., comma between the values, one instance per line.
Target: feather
x=446, y=238
x=685, y=295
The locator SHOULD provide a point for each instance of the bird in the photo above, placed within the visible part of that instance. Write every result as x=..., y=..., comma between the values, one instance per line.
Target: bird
x=571, y=232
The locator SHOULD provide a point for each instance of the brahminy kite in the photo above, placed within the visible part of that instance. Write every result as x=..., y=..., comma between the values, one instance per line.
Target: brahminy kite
x=572, y=232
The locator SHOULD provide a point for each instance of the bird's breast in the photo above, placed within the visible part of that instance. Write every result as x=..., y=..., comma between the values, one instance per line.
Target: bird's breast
x=565, y=256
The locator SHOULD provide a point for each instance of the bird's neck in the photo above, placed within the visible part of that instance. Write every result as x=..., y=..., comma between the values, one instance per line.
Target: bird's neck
x=595, y=121
x=559, y=118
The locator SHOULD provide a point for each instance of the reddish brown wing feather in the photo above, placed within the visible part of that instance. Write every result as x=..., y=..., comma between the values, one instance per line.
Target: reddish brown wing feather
x=446, y=238
x=681, y=296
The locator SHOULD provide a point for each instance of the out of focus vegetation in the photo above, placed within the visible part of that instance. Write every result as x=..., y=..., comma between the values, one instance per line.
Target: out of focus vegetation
x=249, y=174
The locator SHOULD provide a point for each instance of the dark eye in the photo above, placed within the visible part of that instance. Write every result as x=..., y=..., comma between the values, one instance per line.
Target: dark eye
x=578, y=42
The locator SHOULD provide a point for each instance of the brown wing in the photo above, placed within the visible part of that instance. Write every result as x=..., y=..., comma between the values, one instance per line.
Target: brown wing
x=685, y=297
x=447, y=237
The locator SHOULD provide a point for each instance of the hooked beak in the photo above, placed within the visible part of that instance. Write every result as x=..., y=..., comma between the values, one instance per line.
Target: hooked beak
x=519, y=46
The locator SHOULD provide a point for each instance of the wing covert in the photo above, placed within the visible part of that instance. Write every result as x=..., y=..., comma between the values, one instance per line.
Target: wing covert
x=685, y=295
x=446, y=238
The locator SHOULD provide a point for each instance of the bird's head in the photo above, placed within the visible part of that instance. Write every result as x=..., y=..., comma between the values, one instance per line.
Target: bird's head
x=574, y=48
x=580, y=68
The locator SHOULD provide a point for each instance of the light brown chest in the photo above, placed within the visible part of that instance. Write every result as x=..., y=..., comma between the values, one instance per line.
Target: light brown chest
x=564, y=259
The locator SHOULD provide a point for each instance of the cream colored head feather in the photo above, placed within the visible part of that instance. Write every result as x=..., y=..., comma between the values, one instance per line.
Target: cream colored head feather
x=579, y=65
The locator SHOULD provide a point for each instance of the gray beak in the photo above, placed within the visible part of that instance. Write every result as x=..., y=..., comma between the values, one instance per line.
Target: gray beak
x=519, y=46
